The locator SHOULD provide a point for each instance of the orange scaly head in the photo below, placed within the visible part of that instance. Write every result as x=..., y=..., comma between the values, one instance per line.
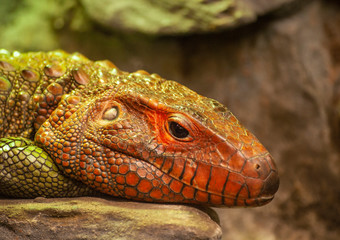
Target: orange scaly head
x=141, y=137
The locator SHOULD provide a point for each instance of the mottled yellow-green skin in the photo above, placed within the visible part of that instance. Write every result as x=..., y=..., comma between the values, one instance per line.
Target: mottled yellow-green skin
x=27, y=171
x=132, y=135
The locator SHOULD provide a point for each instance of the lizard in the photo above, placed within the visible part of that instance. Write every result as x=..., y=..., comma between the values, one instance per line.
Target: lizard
x=70, y=126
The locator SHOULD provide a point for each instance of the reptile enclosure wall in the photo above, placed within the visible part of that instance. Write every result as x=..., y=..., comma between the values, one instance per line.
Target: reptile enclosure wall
x=275, y=64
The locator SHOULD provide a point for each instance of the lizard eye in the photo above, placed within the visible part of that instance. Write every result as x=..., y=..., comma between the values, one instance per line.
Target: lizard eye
x=111, y=114
x=179, y=128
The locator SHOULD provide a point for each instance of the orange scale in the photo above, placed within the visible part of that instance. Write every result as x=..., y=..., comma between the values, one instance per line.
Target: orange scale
x=140, y=196
x=232, y=188
x=132, y=179
x=156, y=193
x=166, y=198
x=107, y=142
x=201, y=196
x=176, y=186
x=130, y=192
x=91, y=176
x=123, y=169
x=90, y=168
x=246, y=139
x=171, y=195
x=66, y=149
x=248, y=151
x=150, y=176
x=121, y=187
x=244, y=193
x=58, y=161
x=188, y=192
x=59, y=112
x=104, y=186
x=178, y=197
x=111, y=161
x=155, y=183
x=158, y=162
x=133, y=167
x=139, y=164
x=55, y=118
x=177, y=168
x=68, y=115
x=166, y=179
x=217, y=180
x=67, y=170
x=144, y=186
x=120, y=179
x=229, y=201
x=97, y=172
x=141, y=172
x=167, y=165
x=165, y=190
x=255, y=186
x=99, y=179
x=189, y=172
x=202, y=175
x=65, y=163
x=215, y=199
x=73, y=110
x=148, y=199
x=96, y=184
x=145, y=154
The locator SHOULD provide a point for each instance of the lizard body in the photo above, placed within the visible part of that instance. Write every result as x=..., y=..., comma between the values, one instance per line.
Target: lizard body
x=71, y=127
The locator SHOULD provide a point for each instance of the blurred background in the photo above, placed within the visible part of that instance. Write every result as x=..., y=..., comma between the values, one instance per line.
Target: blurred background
x=274, y=63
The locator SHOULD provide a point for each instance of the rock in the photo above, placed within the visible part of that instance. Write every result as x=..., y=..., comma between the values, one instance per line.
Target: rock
x=263, y=7
x=96, y=218
x=168, y=16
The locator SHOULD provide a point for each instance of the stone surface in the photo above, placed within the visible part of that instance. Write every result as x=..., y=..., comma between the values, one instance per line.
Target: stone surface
x=262, y=7
x=168, y=16
x=95, y=218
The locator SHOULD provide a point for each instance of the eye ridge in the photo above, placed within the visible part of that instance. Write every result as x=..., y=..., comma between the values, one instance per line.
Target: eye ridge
x=177, y=130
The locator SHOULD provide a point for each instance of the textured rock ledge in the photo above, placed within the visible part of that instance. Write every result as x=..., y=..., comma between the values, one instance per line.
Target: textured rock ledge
x=96, y=218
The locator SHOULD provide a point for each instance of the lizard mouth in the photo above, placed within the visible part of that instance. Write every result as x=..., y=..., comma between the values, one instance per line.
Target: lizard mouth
x=264, y=200
x=250, y=202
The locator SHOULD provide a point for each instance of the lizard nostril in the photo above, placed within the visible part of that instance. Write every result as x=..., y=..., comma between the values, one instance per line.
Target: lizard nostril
x=257, y=166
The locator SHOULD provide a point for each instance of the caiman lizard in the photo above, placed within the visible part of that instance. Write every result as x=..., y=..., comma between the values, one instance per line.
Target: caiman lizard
x=73, y=127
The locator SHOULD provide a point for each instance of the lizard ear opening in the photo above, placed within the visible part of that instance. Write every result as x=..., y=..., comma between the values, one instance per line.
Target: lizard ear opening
x=111, y=113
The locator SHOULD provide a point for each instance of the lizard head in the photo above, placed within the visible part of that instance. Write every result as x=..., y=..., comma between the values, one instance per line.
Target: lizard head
x=141, y=137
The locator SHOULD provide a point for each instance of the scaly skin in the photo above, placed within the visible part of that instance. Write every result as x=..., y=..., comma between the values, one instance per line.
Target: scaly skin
x=135, y=136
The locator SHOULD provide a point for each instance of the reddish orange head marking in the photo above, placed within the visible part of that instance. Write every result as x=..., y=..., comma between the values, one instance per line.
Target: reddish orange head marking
x=156, y=140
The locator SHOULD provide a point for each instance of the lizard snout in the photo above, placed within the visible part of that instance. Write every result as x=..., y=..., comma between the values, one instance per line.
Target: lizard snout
x=272, y=182
x=265, y=181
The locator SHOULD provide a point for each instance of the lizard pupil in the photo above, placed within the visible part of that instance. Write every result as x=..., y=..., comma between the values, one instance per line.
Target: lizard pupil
x=177, y=130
